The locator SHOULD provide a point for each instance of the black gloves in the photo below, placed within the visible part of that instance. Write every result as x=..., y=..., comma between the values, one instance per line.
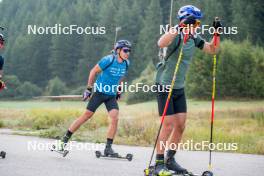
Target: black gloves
x=217, y=25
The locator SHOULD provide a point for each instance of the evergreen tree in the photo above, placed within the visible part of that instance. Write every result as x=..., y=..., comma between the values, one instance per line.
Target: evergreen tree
x=149, y=35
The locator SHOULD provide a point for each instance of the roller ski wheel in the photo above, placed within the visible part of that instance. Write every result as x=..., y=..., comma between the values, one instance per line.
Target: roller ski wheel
x=63, y=152
x=3, y=154
x=99, y=154
x=129, y=157
x=149, y=171
x=208, y=173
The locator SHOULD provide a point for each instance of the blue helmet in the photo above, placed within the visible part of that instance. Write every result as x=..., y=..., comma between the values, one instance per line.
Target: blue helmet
x=189, y=10
x=122, y=44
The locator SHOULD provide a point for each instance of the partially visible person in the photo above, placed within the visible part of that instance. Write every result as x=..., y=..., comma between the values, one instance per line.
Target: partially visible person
x=2, y=40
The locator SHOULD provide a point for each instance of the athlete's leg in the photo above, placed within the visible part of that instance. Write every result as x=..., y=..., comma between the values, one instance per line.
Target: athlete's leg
x=113, y=112
x=81, y=120
x=95, y=101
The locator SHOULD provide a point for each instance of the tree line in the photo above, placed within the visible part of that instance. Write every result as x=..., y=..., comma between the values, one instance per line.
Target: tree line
x=38, y=60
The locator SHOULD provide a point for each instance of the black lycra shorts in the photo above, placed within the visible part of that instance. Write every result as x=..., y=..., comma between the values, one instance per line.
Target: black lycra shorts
x=177, y=103
x=98, y=98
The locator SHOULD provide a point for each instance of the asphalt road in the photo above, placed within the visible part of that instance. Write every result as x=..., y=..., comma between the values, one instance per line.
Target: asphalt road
x=21, y=161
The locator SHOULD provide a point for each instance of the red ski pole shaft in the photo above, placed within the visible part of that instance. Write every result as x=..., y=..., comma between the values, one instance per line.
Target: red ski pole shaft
x=213, y=102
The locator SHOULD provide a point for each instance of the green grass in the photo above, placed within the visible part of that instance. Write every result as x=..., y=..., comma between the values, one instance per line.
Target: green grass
x=241, y=122
x=40, y=104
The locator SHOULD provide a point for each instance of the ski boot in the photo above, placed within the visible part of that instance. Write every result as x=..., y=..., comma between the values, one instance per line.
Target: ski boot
x=59, y=147
x=161, y=169
x=172, y=165
x=108, y=151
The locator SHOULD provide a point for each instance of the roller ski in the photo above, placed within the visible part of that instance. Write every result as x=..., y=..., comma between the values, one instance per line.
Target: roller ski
x=109, y=153
x=171, y=167
x=60, y=148
x=151, y=171
x=164, y=171
x=2, y=154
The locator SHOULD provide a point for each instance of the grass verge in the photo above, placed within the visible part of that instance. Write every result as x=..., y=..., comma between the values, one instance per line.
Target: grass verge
x=235, y=122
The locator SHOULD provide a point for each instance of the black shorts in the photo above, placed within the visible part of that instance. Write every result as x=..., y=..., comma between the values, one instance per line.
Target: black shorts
x=98, y=98
x=177, y=103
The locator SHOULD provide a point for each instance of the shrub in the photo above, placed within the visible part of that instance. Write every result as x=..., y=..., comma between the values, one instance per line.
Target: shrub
x=147, y=78
x=240, y=72
x=56, y=87
x=29, y=90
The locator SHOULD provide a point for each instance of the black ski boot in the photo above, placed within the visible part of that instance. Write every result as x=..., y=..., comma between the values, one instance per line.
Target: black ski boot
x=161, y=169
x=172, y=165
x=108, y=151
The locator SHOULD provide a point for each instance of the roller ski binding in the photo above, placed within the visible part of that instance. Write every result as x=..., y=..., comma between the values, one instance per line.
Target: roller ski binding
x=2, y=154
x=109, y=153
x=157, y=170
x=59, y=147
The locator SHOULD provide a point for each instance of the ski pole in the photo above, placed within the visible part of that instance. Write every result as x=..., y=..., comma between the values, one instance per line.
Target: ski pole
x=171, y=10
x=116, y=34
x=163, y=51
x=213, y=102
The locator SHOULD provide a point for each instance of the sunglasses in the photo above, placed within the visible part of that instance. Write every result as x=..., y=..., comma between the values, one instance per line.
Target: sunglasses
x=126, y=50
